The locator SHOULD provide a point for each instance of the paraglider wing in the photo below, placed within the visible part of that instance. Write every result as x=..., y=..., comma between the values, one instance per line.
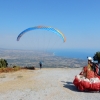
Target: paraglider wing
x=44, y=28
x=85, y=84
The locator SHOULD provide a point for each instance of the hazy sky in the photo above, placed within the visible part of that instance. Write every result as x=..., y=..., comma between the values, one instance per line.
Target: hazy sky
x=79, y=20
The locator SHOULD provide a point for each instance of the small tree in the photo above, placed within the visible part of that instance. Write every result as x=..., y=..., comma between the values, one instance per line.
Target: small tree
x=96, y=57
x=3, y=63
x=6, y=63
x=0, y=65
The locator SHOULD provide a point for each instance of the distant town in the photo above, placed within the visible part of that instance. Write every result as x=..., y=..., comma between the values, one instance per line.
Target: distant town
x=27, y=58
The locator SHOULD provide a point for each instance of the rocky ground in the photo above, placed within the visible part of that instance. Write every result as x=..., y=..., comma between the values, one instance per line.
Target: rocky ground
x=44, y=84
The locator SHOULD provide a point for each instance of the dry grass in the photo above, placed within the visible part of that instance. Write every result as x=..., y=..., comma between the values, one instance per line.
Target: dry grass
x=5, y=70
x=16, y=80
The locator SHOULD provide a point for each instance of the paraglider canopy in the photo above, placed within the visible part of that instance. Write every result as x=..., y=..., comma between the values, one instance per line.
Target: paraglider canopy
x=43, y=28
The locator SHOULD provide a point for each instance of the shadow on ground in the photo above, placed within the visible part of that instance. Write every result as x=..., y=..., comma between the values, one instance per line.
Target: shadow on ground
x=69, y=85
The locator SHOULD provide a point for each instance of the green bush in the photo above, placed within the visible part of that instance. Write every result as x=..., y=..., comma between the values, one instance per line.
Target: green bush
x=96, y=57
x=3, y=63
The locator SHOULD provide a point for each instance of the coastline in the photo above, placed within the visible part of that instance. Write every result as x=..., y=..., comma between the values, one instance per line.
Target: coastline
x=31, y=58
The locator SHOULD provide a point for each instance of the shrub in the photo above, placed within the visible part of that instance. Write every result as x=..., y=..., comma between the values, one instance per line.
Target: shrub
x=3, y=63
x=96, y=57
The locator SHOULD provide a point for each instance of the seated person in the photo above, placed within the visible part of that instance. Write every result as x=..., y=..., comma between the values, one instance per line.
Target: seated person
x=88, y=70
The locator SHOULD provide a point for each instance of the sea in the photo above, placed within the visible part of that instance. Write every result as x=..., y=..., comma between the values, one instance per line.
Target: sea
x=74, y=53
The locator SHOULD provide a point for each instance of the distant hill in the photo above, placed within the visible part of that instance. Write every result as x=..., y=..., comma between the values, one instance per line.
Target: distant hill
x=32, y=58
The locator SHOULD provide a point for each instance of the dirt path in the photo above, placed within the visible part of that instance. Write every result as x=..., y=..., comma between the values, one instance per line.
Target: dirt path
x=44, y=84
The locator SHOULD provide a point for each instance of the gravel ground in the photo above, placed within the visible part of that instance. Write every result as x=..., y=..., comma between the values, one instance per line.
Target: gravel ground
x=44, y=84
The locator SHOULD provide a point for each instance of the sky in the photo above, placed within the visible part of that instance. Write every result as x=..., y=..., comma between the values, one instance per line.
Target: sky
x=78, y=20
